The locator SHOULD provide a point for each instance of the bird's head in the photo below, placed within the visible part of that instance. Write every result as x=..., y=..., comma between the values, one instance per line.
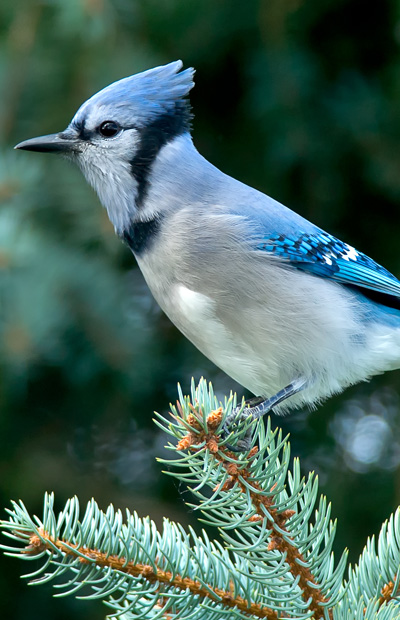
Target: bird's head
x=116, y=135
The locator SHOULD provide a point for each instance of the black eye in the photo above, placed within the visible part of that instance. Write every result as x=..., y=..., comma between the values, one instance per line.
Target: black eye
x=109, y=129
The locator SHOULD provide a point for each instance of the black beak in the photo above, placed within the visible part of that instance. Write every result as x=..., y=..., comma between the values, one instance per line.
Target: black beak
x=64, y=142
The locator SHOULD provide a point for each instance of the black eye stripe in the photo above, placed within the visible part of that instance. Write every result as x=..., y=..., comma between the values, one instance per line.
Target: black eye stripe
x=88, y=134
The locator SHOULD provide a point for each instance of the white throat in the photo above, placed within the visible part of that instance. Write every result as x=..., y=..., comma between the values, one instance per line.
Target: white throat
x=112, y=179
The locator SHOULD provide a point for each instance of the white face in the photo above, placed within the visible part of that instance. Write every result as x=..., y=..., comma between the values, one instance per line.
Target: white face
x=107, y=150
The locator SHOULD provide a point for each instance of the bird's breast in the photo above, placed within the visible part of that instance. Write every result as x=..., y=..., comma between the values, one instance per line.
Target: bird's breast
x=197, y=316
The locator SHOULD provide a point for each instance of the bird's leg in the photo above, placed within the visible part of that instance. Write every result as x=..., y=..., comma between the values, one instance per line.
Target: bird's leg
x=262, y=407
x=258, y=408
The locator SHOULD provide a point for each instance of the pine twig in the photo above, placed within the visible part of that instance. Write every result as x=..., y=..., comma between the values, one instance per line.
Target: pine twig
x=240, y=474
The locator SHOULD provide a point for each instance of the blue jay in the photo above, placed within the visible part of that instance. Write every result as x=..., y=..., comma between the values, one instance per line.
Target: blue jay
x=286, y=309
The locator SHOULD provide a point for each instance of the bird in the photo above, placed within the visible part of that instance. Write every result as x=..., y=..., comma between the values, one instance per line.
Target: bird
x=287, y=310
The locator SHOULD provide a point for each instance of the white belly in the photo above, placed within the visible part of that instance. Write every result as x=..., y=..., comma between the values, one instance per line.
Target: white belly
x=195, y=315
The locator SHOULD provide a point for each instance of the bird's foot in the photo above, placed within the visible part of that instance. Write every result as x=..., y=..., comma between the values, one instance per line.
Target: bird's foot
x=244, y=415
x=254, y=409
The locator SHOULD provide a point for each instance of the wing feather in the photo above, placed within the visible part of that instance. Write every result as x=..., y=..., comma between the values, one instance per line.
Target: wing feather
x=325, y=256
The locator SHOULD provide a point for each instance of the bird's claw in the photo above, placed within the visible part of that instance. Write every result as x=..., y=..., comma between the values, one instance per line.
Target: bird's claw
x=238, y=415
x=256, y=408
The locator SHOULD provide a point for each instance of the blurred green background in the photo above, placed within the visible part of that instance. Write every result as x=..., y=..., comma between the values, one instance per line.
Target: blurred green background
x=299, y=99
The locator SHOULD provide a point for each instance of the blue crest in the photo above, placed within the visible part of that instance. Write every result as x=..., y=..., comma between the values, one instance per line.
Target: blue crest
x=143, y=96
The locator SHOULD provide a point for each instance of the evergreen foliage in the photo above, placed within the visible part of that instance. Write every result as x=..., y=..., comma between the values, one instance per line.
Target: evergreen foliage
x=273, y=558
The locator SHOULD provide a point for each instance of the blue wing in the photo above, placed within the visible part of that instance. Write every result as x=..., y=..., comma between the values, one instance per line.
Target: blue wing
x=323, y=255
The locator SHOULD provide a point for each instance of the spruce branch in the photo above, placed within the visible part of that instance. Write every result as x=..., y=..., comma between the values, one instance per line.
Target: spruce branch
x=135, y=560
x=253, y=500
x=151, y=573
x=274, y=558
